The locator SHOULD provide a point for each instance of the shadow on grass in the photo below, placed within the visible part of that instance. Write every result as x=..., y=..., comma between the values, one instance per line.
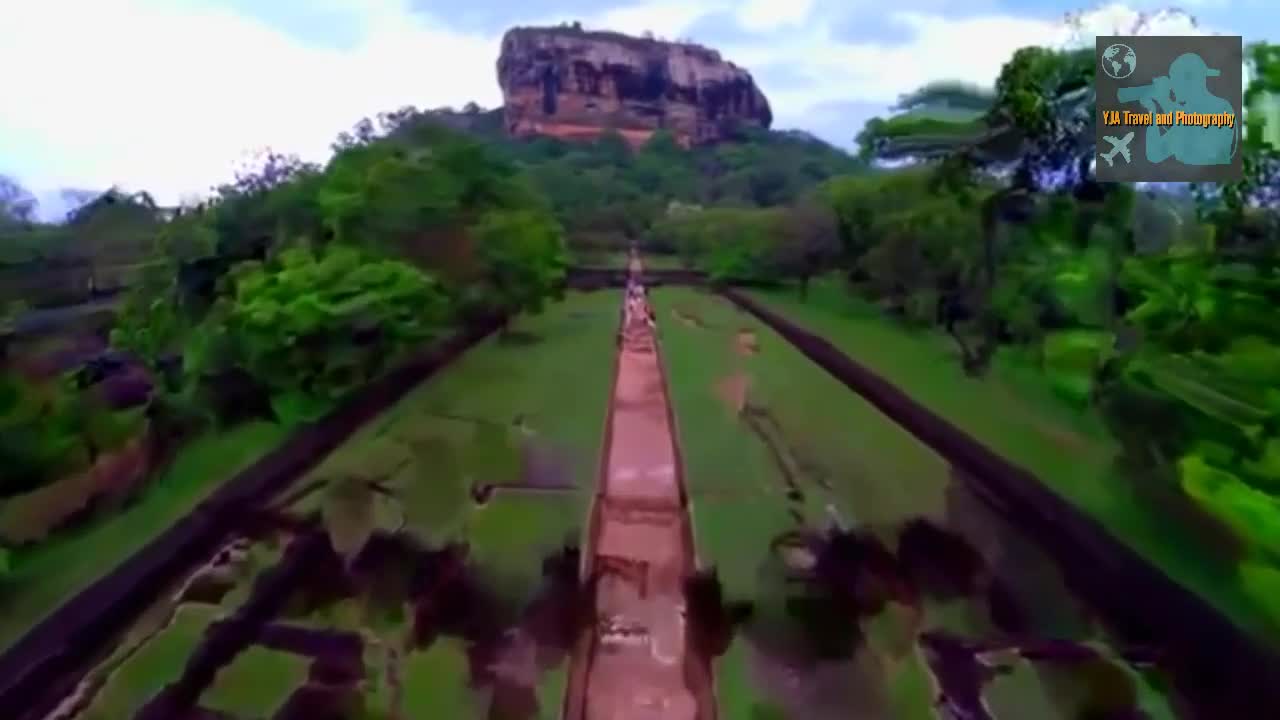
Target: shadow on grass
x=815, y=630
x=518, y=338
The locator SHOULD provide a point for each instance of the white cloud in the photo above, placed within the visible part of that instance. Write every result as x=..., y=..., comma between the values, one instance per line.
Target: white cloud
x=144, y=94
x=970, y=49
x=140, y=93
x=664, y=18
x=880, y=72
x=765, y=15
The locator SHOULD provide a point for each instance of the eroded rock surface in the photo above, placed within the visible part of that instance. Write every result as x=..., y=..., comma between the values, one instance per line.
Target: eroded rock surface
x=574, y=84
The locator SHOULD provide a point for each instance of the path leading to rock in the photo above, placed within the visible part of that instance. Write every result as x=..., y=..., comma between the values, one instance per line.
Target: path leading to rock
x=636, y=665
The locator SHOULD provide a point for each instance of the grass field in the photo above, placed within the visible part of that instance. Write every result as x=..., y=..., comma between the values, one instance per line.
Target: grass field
x=551, y=373
x=48, y=574
x=256, y=683
x=155, y=664
x=879, y=475
x=1015, y=413
x=459, y=430
x=435, y=685
x=851, y=465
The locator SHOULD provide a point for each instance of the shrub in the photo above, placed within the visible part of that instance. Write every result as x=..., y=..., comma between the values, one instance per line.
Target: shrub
x=308, y=327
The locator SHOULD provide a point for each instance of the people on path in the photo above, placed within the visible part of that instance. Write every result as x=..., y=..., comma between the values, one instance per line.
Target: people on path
x=636, y=308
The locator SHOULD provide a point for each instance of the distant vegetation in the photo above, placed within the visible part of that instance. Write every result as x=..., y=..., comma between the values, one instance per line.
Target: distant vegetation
x=270, y=302
x=607, y=195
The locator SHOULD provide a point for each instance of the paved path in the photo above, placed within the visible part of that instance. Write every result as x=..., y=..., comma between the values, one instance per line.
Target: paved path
x=642, y=551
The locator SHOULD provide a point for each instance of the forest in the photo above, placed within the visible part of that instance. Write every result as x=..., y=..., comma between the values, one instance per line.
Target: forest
x=295, y=283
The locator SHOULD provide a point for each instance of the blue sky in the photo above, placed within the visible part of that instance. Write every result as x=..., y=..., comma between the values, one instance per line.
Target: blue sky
x=169, y=95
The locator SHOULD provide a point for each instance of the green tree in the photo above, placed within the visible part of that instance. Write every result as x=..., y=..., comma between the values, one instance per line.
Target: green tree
x=387, y=195
x=808, y=241
x=524, y=258
x=309, y=326
x=273, y=198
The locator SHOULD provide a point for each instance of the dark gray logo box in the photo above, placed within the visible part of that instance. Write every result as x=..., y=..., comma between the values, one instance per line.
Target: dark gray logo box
x=1154, y=55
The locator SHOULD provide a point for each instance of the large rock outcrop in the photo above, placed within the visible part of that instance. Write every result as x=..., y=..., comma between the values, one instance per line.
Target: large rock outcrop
x=574, y=84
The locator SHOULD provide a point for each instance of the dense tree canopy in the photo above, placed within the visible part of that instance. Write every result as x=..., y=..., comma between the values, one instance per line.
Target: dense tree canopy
x=304, y=282
x=607, y=195
x=309, y=326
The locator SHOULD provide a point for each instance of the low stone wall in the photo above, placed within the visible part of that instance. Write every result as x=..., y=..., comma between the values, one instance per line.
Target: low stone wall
x=571, y=705
x=1220, y=670
x=45, y=664
x=587, y=278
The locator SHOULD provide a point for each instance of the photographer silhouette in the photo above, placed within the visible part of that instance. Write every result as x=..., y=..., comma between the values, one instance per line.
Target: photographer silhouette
x=1185, y=89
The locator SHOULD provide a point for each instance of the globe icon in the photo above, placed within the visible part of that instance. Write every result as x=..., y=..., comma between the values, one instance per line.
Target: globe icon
x=1119, y=61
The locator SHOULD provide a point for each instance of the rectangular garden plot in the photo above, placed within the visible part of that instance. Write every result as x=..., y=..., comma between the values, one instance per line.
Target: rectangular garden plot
x=859, y=575
x=1014, y=410
x=456, y=517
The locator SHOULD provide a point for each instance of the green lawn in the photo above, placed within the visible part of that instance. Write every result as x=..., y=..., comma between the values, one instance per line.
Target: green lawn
x=49, y=573
x=1016, y=414
x=1019, y=416
x=457, y=430
x=511, y=535
x=256, y=683
x=551, y=692
x=879, y=475
x=435, y=685
x=154, y=665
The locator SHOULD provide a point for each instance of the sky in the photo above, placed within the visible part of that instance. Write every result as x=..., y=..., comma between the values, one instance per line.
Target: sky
x=171, y=95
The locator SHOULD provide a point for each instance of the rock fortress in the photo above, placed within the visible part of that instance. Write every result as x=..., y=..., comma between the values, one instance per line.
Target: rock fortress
x=574, y=84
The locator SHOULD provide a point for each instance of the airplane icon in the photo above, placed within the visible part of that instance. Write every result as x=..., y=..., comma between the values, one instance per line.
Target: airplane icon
x=1120, y=145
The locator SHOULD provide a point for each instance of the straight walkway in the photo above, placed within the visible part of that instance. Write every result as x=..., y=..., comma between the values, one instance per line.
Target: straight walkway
x=636, y=662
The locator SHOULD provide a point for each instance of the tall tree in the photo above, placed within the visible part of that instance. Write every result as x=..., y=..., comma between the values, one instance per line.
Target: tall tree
x=523, y=251
x=808, y=241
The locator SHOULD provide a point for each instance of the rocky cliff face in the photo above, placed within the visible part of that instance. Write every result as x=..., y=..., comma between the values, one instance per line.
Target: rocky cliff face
x=573, y=84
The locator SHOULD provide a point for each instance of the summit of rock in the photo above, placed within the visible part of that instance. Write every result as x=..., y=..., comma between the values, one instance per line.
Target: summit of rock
x=574, y=84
